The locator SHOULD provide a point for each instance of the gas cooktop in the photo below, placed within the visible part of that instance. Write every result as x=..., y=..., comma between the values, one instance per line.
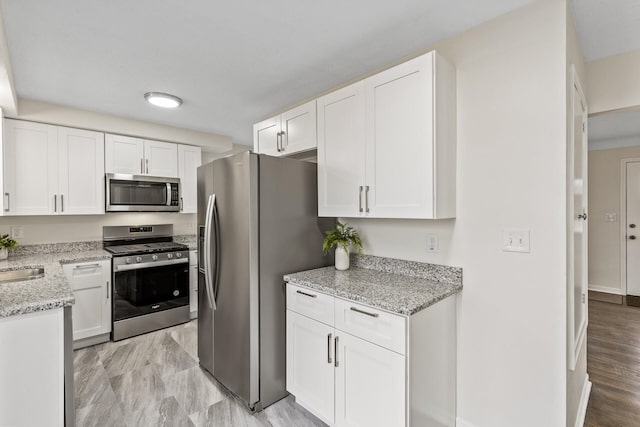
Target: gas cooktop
x=145, y=248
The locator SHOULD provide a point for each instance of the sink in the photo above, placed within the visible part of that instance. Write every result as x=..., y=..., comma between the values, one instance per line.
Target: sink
x=21, y=275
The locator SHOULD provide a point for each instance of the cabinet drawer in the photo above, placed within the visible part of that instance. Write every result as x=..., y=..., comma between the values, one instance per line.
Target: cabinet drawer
x=87, y=274
x=193, y=258
x=310, y=303
x=376, y=326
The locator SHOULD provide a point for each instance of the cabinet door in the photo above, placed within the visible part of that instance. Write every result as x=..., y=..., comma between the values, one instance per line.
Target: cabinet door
x=341, y=148
x=310, y=370
x=299, y=129
x=124, y=154
x=266, y=138
x=30, y=168
x=91, y=285
x=370, y=384
x=399, y=117
x=189, y=158
x=161, y=158
x=80, y=171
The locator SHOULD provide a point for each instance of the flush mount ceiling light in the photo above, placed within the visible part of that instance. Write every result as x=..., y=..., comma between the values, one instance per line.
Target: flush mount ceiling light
x=163, y=100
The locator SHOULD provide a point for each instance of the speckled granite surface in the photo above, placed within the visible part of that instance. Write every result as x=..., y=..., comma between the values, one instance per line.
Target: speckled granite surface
x=187, y=239
x=53, y=248
x=51, y=291
x=389, y=290
x=435, y=272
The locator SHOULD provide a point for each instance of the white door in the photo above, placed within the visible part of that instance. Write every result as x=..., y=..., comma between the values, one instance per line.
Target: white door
x=266, y=137
x=341, y=151
x=91, y=285
x=370, y=384
x=633, y=228
x=124, y=154
x=577, y=192
x=80, y=171
x=310, y=367
x=30, y=168
x=161, y=158
x=399, y=123
x=189, y=158
x=299, y=129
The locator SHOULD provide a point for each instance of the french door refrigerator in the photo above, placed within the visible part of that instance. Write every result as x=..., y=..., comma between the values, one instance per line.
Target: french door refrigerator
x=257, y=220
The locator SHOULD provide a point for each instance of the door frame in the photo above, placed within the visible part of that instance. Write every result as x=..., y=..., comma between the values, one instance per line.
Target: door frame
x=623, y=222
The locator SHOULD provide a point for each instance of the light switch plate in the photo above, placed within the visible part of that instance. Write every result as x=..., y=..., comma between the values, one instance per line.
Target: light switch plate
x=432, y=243
x=515, y=240
x=611, y=217
x=17, y=232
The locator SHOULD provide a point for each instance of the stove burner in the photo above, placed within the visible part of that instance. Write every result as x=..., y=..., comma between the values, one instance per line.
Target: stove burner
x=145, y=248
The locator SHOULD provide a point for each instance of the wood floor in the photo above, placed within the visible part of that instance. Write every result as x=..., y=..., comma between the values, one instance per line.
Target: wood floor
x=155, y=380
x=613, y=364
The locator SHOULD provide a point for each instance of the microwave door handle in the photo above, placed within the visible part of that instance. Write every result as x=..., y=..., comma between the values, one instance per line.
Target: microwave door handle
x=216, y=224
x=168, y=194
x=207, y=251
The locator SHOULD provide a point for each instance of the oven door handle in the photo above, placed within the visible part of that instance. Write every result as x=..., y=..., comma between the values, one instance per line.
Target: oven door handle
x=207, y=251
x=138, y=266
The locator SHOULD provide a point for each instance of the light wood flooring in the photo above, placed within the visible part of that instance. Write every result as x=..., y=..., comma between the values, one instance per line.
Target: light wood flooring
x=613, y=364
x=155, y=380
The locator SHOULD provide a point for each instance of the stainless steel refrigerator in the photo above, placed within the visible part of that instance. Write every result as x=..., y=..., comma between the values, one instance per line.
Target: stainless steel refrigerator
x=257, y=220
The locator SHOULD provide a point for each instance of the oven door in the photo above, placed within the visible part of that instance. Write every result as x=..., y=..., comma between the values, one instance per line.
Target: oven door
x=137, y=193
x=150, y=289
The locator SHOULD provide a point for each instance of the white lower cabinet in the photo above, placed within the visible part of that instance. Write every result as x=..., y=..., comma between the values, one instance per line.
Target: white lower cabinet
x=388, y=370
x=91, y=285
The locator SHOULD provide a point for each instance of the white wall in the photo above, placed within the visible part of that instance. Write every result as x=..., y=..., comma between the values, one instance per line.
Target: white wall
x=613, y=82
x=511, y=172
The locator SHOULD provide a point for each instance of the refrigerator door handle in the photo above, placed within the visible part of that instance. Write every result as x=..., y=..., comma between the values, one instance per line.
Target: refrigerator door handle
x=207, y=250
x=216, y=224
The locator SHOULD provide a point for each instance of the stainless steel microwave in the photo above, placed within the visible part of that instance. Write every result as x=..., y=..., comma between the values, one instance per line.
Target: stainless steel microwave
x=141, y=193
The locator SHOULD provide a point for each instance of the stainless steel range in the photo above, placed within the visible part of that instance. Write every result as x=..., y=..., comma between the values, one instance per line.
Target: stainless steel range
x=150, y=277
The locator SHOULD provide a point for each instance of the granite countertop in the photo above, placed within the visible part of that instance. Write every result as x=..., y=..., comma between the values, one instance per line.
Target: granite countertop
x=187, y=239
x=51, y=291
x=401, y=287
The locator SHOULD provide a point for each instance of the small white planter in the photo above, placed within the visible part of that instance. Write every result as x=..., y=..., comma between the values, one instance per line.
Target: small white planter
x=342, y=258
x=4, y=253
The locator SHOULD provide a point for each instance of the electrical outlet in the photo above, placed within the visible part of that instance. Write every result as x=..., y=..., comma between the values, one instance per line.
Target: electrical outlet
x=432, y=243
x=611, y=217
x=515, y=240
x=17, y=232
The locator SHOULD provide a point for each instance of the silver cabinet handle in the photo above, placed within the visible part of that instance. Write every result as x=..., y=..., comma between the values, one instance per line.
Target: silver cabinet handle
x=335, y=350
x=329, y=360
x=366, y=198
x=55, y=203
x=357, y=310
x=360, y=199
x=141, y=165
x=279, y=142
x=306, y=294
x=8, y=196
x=181, y=204
x=147, y=161
x=86, y=266
x=108, y=290
x=62, y=202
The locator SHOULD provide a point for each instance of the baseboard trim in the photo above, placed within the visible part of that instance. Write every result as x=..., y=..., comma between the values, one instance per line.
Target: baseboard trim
x=462, y=423
x=584, y=401
x=606, y=289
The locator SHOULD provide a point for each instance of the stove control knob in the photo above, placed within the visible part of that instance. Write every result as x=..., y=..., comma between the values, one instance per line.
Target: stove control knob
x=127, y=260
x=179, y=255
x=169, y=256
x=138, y=259
x=155, y=257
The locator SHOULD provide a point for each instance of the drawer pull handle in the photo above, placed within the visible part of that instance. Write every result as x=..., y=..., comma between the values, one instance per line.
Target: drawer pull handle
x=335, y=349
x=82, y=267
x=329, y=360
x=357, y=310
x=306, y=294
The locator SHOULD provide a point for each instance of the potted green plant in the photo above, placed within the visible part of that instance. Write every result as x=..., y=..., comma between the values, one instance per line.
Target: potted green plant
x=6, y=243
x=342, y=237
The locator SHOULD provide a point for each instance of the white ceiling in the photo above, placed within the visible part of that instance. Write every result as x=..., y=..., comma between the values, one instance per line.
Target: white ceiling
x=607, y=27
x=233, y=62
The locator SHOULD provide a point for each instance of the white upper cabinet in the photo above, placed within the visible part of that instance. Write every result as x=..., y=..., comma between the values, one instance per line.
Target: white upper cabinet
x=124, y=154
x=81, y=171
x=161, y=158
x=288, y=133
x=341, y=146
x=409, y=149
x=189, y=158
x=51, y=170
x=30, y=168
x=135, y=156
